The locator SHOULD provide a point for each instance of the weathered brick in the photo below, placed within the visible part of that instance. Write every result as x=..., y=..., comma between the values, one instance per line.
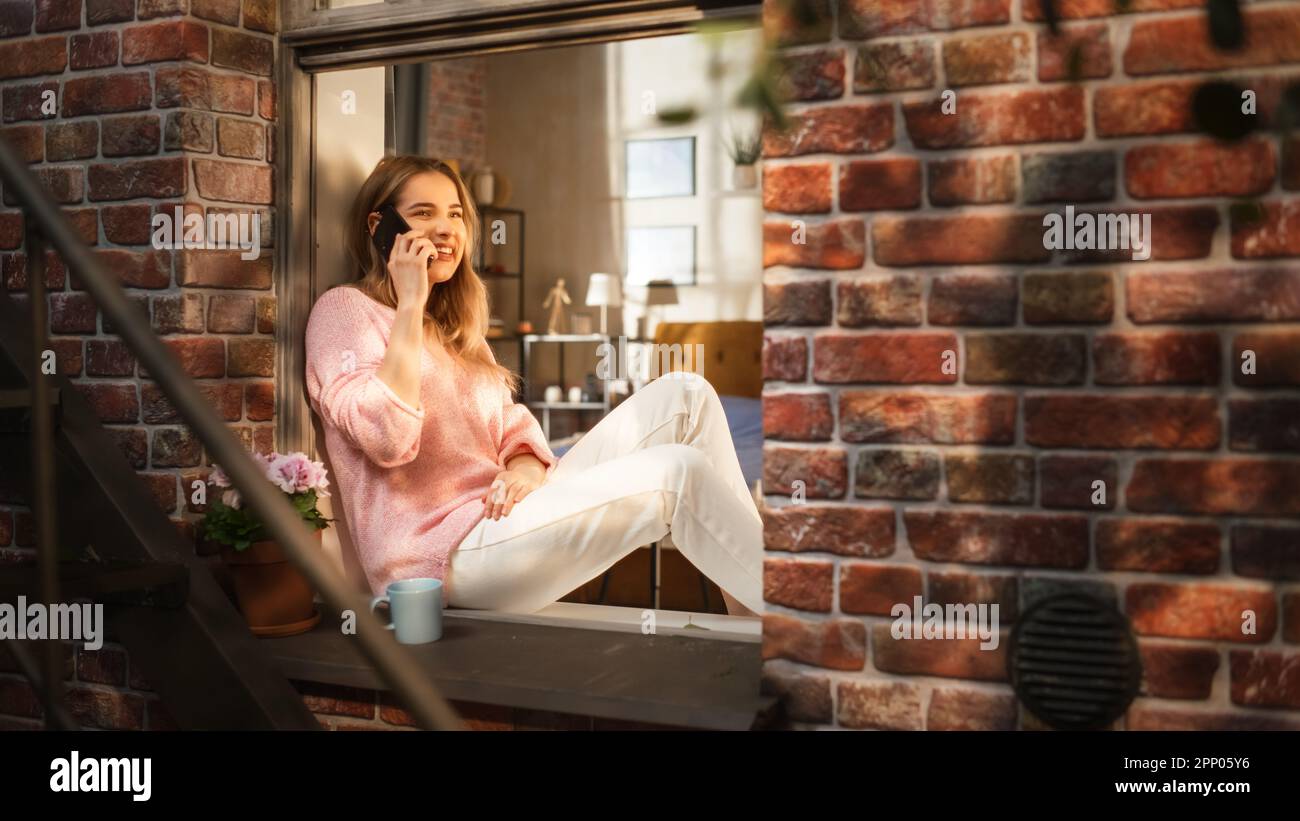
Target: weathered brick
x=95, y=50
x=874, y=589
x=785, y=358
x=952, y=709
x=234, y=182
x=992, y=118
x=33, y=56
x=1003, y=57
x=1263, y=678
x=845, y=129
x=246, y=52
x=839, y=644
x=973, y=180
x=878, y=705
x=1158, y=546
x=914, y=418
x=222, y=269
x=1025, y=359
x=823, y=472
x=1122, y=421
x=1264, y=424
x=230, y=314
x=797, y=189
x=991, y=478
x=1077, y=53
x=964, y=588
x=1274, y=234
x=240, y=138
x=803, y=417
x=886, y=300
x=973, y=299
x=838, y=244
x=109, y=357
x=130, y=135
x=947, y=657
x=883, y=357
x=846, y=531
x=1250, y=487
x=880, y=185
x=158, y=178
x=868, y=19
x=893, y=66
x=106, y=94
x=1199, y=611
x=1156, y=358
x=1068, y=297
x=1183, y=43
x=251, y=357
x=803, y=697
x=896, y=474
x=1177, y=670
x=1204, y=168
x=71, y=141
x=169, y=41
x=1277, y=358
x=817, y=75
x=958, y=240
x=1028, y=540
x=1067, y=482
x=1266, y=552
x=800, y=302
x=802, y=584
x=1237, y=294
x=1070, y=177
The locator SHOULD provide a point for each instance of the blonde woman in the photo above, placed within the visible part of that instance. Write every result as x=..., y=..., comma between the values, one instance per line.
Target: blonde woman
x=442, y=474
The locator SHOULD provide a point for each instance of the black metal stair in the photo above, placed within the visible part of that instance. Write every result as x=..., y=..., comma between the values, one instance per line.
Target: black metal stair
x=117, y=547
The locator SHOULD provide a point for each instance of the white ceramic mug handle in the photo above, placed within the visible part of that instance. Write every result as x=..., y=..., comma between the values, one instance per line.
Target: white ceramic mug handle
x=375, y=603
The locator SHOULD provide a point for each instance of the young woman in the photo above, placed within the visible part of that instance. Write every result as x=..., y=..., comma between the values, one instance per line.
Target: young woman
x=442, y=474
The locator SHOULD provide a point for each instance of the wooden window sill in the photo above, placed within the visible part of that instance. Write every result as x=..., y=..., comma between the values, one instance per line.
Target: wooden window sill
x=582, y=659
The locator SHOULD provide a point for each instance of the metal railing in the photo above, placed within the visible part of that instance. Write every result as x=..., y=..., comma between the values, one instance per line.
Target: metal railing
x=43, y=220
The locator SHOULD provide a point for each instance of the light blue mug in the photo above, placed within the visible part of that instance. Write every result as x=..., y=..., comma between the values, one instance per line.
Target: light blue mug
x=416, y=610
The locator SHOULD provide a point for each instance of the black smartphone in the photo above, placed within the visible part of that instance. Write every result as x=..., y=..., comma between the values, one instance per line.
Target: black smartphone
x=390, y=225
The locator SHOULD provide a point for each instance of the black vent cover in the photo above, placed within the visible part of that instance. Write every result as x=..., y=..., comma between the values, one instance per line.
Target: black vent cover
x=1073, y=662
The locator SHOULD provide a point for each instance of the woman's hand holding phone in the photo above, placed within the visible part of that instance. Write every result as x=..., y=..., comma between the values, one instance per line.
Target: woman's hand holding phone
x=408, y=265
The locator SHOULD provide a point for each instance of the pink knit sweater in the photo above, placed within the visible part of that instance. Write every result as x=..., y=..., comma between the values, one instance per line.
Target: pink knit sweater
x=410, y=478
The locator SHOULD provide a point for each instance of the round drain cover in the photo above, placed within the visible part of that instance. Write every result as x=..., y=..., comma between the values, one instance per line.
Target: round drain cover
x=1073, y=662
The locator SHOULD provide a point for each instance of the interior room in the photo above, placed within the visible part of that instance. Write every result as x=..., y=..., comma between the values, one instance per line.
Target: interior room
x=621, y=220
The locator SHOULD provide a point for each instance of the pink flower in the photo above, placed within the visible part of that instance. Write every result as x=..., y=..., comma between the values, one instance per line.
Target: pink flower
x=292, y=473
x=231, y=498
x=218, y=477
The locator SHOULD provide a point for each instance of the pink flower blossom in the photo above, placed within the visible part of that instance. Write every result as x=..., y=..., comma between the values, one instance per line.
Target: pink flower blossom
x=231, y=498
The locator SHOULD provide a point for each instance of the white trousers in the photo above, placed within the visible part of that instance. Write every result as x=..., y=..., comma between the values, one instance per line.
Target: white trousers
x=662, y=461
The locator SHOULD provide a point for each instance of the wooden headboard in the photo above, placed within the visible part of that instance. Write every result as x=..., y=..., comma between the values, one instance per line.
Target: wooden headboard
x=733, y=352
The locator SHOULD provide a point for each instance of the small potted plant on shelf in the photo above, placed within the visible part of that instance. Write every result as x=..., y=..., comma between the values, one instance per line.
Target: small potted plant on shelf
x=745, y=152
x=272, y=593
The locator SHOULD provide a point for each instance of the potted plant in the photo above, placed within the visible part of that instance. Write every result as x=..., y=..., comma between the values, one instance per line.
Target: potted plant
x=272, y=593
x=745, y=152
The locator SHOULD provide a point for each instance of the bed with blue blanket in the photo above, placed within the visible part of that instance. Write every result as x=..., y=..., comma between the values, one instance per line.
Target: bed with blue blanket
x=745, y=420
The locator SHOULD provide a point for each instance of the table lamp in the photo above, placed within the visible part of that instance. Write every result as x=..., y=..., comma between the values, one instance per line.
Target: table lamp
x=659, y=292
x=604, y=290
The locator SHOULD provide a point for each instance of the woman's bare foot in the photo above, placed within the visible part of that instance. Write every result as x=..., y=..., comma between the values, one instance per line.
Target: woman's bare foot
x=735, y=608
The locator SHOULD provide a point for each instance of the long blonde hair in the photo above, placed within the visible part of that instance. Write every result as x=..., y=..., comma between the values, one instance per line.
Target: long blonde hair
x=457, y=310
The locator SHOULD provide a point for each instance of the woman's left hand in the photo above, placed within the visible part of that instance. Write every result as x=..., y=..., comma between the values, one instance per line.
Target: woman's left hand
x=509, y=487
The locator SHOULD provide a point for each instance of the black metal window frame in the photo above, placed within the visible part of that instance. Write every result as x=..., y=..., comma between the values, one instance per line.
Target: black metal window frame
x=384, y=34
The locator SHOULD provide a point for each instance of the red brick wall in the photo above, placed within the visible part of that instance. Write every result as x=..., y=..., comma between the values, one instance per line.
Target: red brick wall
x=458, y=112
x=925, y=235
x=158, y=103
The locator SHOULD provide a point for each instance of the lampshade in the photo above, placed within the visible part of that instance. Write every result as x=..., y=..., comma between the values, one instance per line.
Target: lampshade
x=661, y=292
x=603, y=289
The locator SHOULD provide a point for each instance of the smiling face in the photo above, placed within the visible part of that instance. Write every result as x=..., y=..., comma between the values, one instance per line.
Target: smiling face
x=431, y=205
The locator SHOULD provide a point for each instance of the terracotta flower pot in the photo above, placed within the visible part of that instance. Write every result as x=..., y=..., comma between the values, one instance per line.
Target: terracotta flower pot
x=273, y=594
